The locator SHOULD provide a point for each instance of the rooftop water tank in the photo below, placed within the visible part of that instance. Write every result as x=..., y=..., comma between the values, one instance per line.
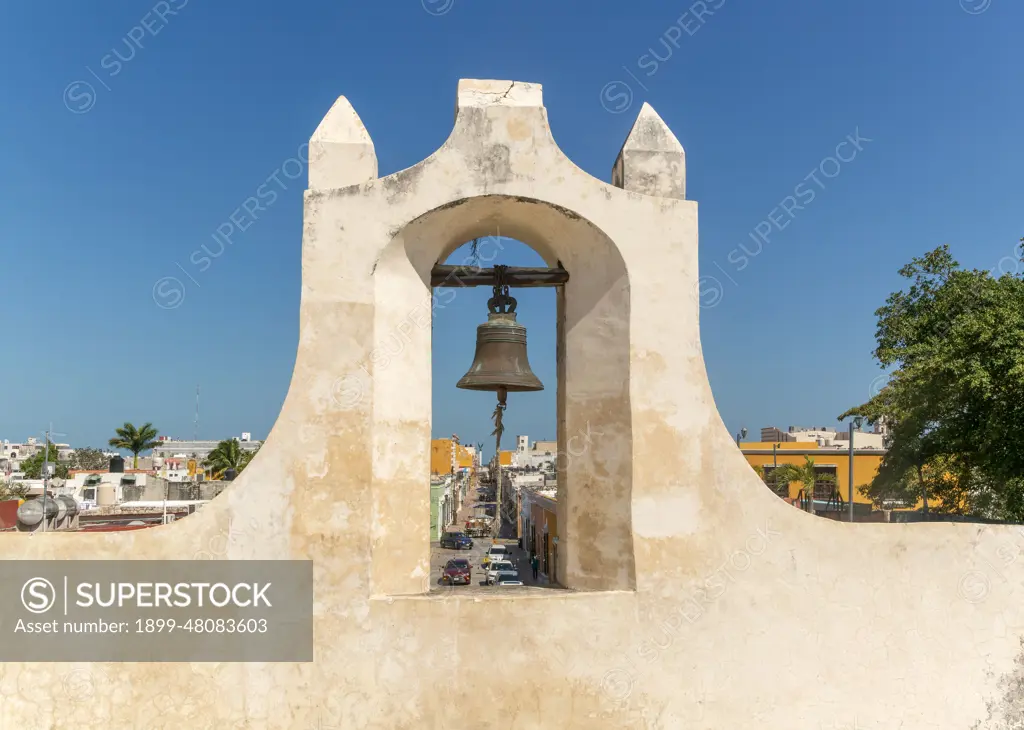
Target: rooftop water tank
x=106, y=495
x=30, y=513
x=70, y=505
x=49, y=505
x=117, y=465
x=230, y=474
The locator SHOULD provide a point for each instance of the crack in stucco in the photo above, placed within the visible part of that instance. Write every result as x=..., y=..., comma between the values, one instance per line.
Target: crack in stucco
x=495, y=93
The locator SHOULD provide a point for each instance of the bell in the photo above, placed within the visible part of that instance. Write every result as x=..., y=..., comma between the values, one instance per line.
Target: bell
x=500, y=362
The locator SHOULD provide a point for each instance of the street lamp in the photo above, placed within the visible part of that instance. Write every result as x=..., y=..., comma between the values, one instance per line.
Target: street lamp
x=741, y=435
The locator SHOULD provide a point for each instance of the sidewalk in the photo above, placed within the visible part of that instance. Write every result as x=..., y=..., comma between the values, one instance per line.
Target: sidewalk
x=467, y=509
x=521, y=559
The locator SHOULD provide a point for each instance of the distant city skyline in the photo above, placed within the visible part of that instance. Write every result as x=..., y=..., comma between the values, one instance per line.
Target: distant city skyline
x=117, y=198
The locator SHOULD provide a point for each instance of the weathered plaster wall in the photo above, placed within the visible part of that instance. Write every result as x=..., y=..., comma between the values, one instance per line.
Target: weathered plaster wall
x=728, y=608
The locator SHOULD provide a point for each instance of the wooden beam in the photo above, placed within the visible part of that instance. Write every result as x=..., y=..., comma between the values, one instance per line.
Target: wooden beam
x=517, y=277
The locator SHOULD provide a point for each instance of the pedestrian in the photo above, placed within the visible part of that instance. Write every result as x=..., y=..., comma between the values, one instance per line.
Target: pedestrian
x=535, y=564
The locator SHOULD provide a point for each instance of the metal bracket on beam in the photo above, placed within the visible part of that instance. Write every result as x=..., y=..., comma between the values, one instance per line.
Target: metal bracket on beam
x=518, y=277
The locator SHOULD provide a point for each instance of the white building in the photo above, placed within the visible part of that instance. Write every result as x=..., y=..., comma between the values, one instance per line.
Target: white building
x=84, y=485
x=12, y=454
x=542, y=456
x=828, y=438
x=861, y=440
x=474, y=454
x=180, y=449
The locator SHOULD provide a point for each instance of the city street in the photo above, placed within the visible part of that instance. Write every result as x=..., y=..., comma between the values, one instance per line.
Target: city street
x=439, y=556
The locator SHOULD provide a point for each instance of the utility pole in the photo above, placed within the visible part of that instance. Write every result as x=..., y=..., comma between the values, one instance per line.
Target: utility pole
x=167, y=485
x=46, y=470
x=854, y=426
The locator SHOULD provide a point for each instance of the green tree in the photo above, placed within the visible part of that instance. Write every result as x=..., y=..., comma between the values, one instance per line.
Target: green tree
x=955, y=401
x=90, y=459
x=248, y=456
x=804, y=473
x=33, y=466
x=15, y=490
x=135, y=440
x=228, y=455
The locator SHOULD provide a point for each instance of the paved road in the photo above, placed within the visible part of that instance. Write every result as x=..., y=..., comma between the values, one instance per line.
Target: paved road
x=439, y=556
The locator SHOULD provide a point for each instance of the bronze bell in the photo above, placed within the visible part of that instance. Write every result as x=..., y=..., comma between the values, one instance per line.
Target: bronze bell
x=501, y=363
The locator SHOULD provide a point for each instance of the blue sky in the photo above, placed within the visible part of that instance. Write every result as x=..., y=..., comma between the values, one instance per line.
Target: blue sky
x=105, y=195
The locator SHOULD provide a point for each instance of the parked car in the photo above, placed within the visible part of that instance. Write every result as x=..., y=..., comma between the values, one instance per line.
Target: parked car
x=495, y=552
x=505, y=580
x=457, y=572
x=456, y=541
x=499, y=569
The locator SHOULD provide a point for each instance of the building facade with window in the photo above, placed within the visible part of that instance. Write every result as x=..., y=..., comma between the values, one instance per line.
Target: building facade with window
x=12, y=454
x=84, y=485
x=828, y=461
x=447, y=496
x=449, y=455
x=539, y=527
x=826, y=436
x=542, y=456
x=173, y=448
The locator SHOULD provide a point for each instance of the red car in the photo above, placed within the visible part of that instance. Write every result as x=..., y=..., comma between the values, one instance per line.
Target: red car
x=456, y=572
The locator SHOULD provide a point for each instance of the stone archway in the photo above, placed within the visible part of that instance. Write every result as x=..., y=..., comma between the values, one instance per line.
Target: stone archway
x=594, y=416
x=370, y=245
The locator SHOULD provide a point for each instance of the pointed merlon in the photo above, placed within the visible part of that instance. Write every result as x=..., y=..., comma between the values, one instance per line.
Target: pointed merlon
x=651, y=162
x=340, y=151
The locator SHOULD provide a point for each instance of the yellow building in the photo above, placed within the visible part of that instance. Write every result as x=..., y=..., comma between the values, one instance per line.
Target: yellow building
x=835, y=462
x=441, y=452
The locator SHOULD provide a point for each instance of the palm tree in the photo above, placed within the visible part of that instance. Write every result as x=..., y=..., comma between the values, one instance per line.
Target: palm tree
x=805, y=474
x=248, y=456
x=135, y=440
x=228, y=455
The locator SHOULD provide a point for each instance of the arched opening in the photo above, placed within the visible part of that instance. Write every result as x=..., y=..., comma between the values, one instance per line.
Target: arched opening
x=502, y=482
x=593, y=547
